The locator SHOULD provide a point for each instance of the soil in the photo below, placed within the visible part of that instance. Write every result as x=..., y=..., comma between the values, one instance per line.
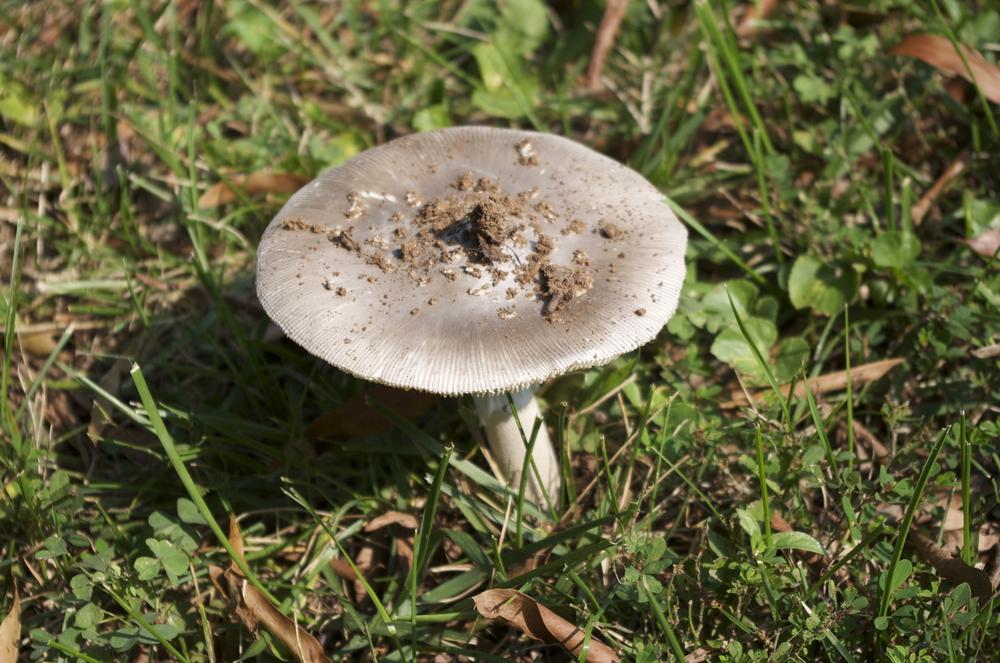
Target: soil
x=526, y=155
x=609, y=230
x=478, y=230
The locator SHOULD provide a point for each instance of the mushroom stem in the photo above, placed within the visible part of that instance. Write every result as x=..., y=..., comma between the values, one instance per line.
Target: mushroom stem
x=508, y=447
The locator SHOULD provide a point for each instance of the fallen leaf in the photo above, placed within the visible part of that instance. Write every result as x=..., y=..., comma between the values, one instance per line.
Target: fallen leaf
x=878, y=449
x=987, y=243
x=952, y=569
x=10, y=631
x=407, y=520
x=37, y=344
x=253, y=609
x=343, y=569
x=941, y=54
x=699, y=655
x=779, y=524
x=356, y=418
x=954, y=169
x=265, y=181
x=823, y=384
x=987, y=351
x=404, y=551
x=614, y=12
x=755, y=12
x=538, y=622
x=989, y=536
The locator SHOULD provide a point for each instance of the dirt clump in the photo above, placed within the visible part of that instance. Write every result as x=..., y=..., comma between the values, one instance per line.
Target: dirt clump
x=478, y=231
x=526, y=155
x=610, y=230
x=562, y=285
x=299, y=224
x=342, y=237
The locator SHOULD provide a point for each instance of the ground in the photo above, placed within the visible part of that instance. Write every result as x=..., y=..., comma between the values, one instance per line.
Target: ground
x=841, y=201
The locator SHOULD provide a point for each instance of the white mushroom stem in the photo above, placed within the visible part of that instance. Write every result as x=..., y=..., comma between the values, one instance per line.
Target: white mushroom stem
x=509, y=450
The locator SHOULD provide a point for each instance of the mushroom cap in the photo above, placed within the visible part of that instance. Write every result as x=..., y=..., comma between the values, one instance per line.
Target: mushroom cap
x=464, y=333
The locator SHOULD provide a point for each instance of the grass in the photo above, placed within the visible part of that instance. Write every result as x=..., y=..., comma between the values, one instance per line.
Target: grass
x=690, y=524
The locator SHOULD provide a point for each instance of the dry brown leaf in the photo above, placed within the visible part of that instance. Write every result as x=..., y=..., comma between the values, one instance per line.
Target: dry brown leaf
x=987, y=351
x=356, y=418
x=941, y=54
x=950, y=568
x=538, y=622
x=987, y=243
x=878, y=449
x=265, y=181
x=343, y=569
x=253, y=609
x=779, y=524
x=407, y=520
x=699, y=655
x=989, y=536
x=755, y=12
x=823, y=384
x=614, y=12
x=37, y=344
x=404, y=551
x=10, y=631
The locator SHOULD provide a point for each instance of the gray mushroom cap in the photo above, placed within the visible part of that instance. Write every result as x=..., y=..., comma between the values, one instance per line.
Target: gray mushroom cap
x=460, y=333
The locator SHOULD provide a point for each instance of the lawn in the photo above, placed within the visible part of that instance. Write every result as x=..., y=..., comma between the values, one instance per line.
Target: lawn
x=180, y=482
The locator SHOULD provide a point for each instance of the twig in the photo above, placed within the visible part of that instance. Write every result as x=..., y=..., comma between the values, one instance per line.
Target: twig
x=614, y=12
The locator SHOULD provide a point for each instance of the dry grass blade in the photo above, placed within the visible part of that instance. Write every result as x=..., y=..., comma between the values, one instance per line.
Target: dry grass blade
x=538, y=622
x=952, y=569
x=407, y=520
x=940, y=53
x=264, y=181
x=987, y=243
x=10, y=631
x=614, y=13
x=254, y=610
x=823, y=384
x=356, y=418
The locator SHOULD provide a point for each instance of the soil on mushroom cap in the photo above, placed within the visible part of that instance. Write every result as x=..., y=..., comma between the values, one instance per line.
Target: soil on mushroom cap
x=481, y=231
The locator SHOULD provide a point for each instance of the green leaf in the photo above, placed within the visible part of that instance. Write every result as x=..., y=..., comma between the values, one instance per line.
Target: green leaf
x=895, y=249
x=731, y=347
x=147, y=567
x=54, y=547
x=903, y=570
x=508, y=90
x=791, y=356
x=717, y=311
x=255, y=30
x=748, y=523
x=88, y=616
x=523, y=25
x=188, y=512
x=813, y=89
x=175, y=561
x=796, y=541
x=166, y=631
x=81, y=586
x=432, y=117
x=822, y=287
x=17, y=104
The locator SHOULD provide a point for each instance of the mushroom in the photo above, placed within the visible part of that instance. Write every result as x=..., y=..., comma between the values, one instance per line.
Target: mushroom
x=475, y=260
